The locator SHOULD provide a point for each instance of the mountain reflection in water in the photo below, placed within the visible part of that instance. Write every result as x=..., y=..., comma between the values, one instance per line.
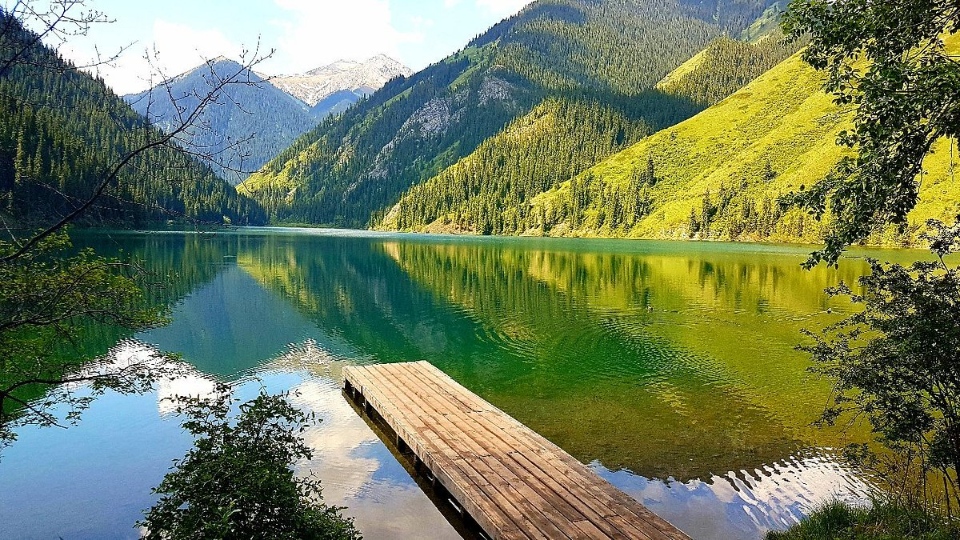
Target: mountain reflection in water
x=668, y=367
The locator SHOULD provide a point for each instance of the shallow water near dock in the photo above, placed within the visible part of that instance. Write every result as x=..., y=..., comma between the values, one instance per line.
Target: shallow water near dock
x=667, y=367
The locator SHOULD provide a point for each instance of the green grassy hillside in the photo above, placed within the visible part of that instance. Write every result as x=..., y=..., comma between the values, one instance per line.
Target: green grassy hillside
x=490, y=190
x=718, y=174
x=353, y=168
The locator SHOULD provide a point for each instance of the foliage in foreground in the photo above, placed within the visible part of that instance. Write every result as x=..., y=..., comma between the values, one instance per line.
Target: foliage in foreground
x=72, y=152
x=897, y=362
x=883, y=521
x=237, y=481
x=47, y=300
x=889, y=61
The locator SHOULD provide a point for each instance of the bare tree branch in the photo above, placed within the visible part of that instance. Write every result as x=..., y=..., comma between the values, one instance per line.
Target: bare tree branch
x=47, y=292
x=187, y=120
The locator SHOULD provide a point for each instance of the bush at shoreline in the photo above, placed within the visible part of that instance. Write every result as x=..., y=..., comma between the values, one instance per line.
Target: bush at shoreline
x=882, y=521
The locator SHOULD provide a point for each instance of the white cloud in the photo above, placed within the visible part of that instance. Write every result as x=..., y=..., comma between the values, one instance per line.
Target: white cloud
x=305, y=33
x=317, y=33
x=180, y=47
x=172, y=49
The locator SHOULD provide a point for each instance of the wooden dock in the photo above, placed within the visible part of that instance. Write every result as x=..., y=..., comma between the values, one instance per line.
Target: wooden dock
x=510, y=480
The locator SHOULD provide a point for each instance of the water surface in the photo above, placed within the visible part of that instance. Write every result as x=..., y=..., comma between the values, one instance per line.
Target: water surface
x=667, y=367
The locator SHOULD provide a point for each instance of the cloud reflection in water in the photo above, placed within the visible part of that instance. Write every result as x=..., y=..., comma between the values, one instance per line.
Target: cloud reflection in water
x=359, y=472
x=745, y=504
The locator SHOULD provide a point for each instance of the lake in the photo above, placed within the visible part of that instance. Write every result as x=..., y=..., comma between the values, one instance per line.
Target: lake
x=667, y=367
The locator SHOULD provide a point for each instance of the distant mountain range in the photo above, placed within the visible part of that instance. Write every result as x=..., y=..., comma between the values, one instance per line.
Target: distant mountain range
x=61, y=129
x=547, y=72
x=254, y=122
x=341, y=80
x=610, y=118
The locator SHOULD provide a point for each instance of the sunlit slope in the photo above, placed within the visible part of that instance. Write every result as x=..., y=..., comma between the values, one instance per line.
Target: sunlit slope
x=483, y=193
x=490, y=190
x=352, y=169
x=727, y=165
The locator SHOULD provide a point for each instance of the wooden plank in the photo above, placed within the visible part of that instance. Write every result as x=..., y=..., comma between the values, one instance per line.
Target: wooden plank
x=448, y=466
x=602, y=522
x=566, y=496
x=589, y=488
x=597, y=506
x=500, y=483
x=528, y=504
x=525, y=512
x=518, y=468
x=512, y=481
x=406, y=381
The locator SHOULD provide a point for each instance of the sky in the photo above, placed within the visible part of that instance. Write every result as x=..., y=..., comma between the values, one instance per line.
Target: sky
x=304, y=34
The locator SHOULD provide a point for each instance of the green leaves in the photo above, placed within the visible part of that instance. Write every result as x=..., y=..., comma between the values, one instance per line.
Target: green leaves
x=48, y=299
x=238, y=482
x=888, y=61
x=897, y=362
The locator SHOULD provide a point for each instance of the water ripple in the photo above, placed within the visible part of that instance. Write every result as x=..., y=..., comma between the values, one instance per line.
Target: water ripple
x=772, y=497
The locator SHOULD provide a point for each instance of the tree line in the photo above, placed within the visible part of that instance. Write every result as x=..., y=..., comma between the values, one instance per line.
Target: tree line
x=61, y=130
x=354, y=167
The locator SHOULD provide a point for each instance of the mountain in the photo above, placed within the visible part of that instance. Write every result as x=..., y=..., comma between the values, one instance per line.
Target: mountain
x=725, y=66
x=336, y=102
x=718, y=175
x=250, y=124
x=487, y=191
x=491, y=190
x=61, y=130
x=610, y=54
x=344, y=81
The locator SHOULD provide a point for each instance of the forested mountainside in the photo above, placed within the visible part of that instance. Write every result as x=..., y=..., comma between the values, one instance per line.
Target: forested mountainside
x=590, y=54
x=725, y=66
x=491, y=191
x=61, y=131
x=250, y=124
x=486, y=192
x=718, y=175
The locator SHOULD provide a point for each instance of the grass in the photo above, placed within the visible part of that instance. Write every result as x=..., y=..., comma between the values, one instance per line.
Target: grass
x=882, y=521
x=782, y=118
x=685, y=69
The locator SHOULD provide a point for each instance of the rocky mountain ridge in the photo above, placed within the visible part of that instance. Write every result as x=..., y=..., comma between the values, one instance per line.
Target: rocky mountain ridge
x=360, y=78
x=255, y=121
x=246, y=126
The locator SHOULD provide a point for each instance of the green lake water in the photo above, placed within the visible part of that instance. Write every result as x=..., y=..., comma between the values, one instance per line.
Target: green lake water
x=669, y=368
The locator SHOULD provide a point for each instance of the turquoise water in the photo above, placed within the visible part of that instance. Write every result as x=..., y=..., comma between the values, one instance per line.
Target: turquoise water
x=667, y=367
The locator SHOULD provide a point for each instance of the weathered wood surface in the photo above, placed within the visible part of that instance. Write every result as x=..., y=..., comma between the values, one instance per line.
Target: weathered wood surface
x=513, y=482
